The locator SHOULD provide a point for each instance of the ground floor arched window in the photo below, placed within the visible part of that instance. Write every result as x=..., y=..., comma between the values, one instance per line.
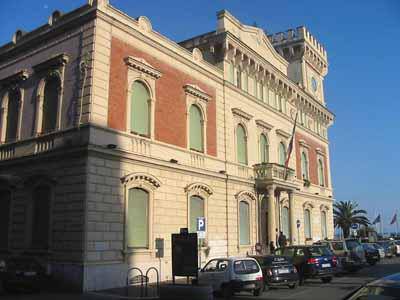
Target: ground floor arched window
x=138, y=218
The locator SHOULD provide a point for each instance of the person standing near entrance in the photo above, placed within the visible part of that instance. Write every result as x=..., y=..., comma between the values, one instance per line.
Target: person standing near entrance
x=282, y=240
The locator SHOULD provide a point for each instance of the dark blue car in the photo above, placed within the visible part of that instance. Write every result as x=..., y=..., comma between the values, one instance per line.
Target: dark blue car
x=311, y=261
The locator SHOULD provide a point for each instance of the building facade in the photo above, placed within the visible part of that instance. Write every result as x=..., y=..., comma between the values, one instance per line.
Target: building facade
x=113, y=137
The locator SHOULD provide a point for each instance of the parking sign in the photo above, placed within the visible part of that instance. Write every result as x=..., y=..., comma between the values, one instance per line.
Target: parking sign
x=201, y=224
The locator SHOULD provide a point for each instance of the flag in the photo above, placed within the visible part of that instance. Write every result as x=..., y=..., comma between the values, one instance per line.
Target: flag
x=377, y=220
x=394, y=219
x=290, y=147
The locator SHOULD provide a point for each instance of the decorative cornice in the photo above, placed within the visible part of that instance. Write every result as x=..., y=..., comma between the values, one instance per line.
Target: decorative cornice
x=54, y=62
x=241, y=113
x=143, y=66
x=308, y=205
x=141, y=177
x=15, y=78
x=324, y=207
x=304, y=144
x=264, y=124
x=199, y=187
x=282, y=133
x=320, y=152
x=196, y=91
x=248, y=194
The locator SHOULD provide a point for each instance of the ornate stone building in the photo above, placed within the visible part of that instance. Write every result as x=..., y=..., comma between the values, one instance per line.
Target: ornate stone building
x=113, y=136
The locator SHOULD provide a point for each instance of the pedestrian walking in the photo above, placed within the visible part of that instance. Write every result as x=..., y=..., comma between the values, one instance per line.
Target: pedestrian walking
x=282, y=240
x=271, y=247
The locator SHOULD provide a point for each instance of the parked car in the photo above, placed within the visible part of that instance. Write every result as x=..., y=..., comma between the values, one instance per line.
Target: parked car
x=234, y=274
x=397, y=248
x=356, y=253
x=380, y=249
x=371, y=254
x=349, y=260
x=386, y=288
x=22, y=273
x=311, y=261
x=278, y=271
x=389, y=248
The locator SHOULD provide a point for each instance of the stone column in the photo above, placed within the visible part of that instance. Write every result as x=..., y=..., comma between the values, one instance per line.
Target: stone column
x=271, y=215
x=292, y=219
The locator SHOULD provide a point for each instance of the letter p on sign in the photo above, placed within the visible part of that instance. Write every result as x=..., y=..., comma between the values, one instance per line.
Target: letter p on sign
x=201, y=224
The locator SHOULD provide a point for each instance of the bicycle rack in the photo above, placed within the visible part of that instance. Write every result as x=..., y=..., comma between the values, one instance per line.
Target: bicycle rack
x=144, y=280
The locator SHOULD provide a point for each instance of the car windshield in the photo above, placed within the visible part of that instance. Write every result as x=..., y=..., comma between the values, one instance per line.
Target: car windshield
x=368, y=247
x=288, y=252
x=319, y=251
x=352, y=244
x=338, y=246
x=245, y=267
x=384, y=293
x=384, y=244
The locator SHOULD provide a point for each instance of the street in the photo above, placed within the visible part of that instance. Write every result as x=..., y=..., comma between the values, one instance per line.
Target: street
x=337, y=289
x=313, y=289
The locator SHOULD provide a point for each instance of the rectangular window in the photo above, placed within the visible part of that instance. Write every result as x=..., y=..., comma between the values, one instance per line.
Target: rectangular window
x=196, y=211
x=307, y=224
x=5, y=202
x=244, y=223
x=138, y=218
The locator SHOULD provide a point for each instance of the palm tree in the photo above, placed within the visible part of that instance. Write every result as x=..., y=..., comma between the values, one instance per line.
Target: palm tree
x=346, y=213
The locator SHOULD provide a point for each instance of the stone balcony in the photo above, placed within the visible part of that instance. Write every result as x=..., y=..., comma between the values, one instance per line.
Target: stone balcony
x=274, y=174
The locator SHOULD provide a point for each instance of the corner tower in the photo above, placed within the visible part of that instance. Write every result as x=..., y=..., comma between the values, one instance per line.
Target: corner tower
x=308, y=60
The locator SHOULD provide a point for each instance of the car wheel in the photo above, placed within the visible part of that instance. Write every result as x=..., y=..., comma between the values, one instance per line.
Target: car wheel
x=326, y=279
x=257, y=292
x=292, y=286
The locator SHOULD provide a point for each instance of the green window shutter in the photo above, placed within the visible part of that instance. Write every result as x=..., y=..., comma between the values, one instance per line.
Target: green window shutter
x=282, y=154
x=138, y=218
x=264, y=148
x=196, y=129
x=41, y=217
x=307, y=224
x=140, y=109
x=244, y=223
x=321, y=173
x=304, y=165
x=5, y=202
x=12, y=116
x=50, y=104
x=196, y=211
x=323, y=225
x=241, y=145
x=285, y=221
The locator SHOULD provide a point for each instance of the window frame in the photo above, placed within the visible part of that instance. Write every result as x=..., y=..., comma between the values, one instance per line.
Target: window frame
x=240, y=124
x=267, y=150
x=305, y=165
x=282, y=145
x=321, y=172
x=324, y=225
x=4, y=114
x=149, y=241
x=203, y=127
x=307, y=209
x=248, y=203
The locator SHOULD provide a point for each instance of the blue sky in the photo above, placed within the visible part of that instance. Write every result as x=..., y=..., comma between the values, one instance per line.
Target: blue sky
x=362, y=87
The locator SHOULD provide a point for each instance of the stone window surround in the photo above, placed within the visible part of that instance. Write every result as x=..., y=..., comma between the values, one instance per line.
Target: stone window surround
x=196, y=96
x=53, y=67
x=150, y=184
x=320, y=157
x=250, y=199
x=42, y=181
x=201, y=190
x=12, y=82
x=304, y=150
x=140, y=70
x=308, y=206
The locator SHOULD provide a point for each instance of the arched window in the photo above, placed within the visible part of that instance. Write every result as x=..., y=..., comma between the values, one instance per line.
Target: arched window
x=196, y=129
x=140, y=109
x=244, y=223
x=12, y=115
x=138, y=218
x=197, y=210
x=5, y=206
x=307, y=224
x=323, y=225
x=282, y=153
x=321, y=179
x=264, y=148
x=241, y=145
x=304, y=166
x=285, y=222
x=41, y=217
x=50, y=104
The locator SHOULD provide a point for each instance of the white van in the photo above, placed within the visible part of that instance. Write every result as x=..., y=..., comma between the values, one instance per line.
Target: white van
x=234, y=274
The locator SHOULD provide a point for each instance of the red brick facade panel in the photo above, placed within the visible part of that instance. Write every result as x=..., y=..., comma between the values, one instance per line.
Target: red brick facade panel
x=170, y=110
x=313, y=158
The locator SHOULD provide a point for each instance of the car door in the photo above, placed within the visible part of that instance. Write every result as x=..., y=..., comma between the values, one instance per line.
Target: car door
x=206, y=274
